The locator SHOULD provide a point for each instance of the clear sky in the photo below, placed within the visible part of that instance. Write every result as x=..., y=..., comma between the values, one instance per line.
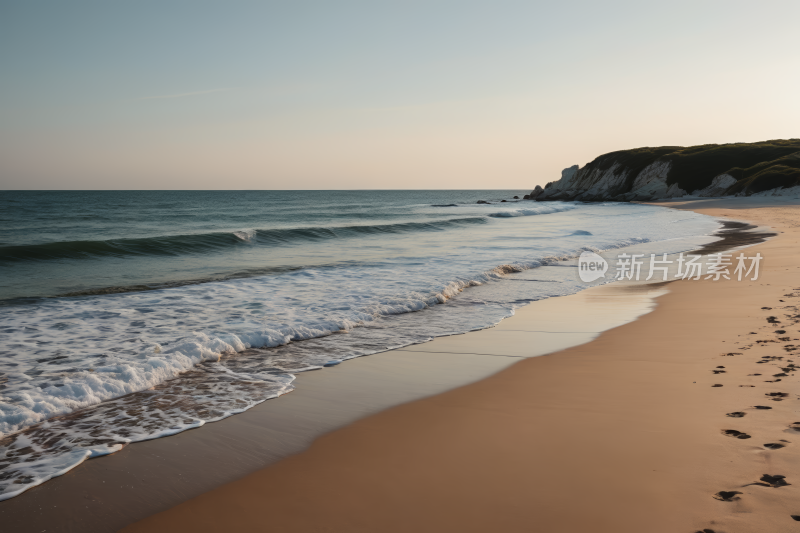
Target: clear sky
x=234, y=94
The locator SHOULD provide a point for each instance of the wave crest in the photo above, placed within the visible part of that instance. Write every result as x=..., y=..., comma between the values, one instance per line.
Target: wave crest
x=174, y=245
x=533, y=211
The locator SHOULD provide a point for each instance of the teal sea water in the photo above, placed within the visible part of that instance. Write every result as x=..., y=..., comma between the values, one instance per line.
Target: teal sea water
x=126, y=316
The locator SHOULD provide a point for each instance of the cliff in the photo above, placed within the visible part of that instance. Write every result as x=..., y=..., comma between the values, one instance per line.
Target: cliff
x=743, y=169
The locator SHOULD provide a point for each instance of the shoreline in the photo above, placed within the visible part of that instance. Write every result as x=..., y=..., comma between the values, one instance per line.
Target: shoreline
x=110, y=492
x=99, y=386
x=308, y=415
x=613, y=435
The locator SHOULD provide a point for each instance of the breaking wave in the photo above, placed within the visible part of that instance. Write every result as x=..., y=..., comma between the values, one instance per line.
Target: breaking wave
x=174, y=245
x=125, y=391
x=539, y=210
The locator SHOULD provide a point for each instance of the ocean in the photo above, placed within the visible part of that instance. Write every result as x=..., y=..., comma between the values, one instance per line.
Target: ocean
x=132, y=315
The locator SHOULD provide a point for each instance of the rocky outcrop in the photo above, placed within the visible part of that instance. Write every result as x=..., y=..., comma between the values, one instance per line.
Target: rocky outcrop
x=719, y=186
x=597, y=184
x=640, y=174
x=534, y=193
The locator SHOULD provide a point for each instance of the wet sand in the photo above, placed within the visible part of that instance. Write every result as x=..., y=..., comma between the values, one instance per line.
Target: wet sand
x=628, y=432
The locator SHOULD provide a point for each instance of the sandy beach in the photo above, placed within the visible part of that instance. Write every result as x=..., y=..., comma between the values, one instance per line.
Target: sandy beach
x=668, y=423
x=580, y=413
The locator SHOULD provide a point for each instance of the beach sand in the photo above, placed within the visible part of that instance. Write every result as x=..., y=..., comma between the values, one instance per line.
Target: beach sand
x=623, y=433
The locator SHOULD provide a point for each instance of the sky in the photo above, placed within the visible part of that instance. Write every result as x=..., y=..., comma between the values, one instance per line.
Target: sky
x=378, y=95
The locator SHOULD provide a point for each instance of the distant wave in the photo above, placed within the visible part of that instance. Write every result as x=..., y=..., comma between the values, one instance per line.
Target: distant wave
x=533, y=211
x=175, y=245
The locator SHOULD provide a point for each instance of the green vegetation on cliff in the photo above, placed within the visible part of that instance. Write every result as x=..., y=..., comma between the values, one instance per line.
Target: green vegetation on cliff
x=756, y=166
x=763, y=165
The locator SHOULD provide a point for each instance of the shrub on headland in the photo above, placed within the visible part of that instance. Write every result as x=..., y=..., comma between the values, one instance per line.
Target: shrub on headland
x=693, y=168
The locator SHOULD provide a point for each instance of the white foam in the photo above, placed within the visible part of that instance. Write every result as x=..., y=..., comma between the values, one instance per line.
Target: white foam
x=539, y=209
x=245, y=235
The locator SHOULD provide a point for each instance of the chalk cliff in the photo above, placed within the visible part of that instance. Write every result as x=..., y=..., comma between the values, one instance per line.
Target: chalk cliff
x=742, y=169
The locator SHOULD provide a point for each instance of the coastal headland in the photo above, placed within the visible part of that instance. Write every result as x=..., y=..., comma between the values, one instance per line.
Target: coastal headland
x=766, y=168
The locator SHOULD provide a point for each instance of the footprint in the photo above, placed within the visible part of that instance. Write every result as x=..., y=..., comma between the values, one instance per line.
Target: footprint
x=717, y=385
x=753, y=374
x=737, y=414
x=795, y=426
x=774, y=446
x=736, y=434
x=722, y=372
x=762, y=407
x=720, y=366
x=774, y=481
x=712, y=531
x=781, y=375
x=776, y=396
x=727, y=495
x=796, y=517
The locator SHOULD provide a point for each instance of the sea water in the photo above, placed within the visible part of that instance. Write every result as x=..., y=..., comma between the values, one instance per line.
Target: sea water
x=127, y=316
